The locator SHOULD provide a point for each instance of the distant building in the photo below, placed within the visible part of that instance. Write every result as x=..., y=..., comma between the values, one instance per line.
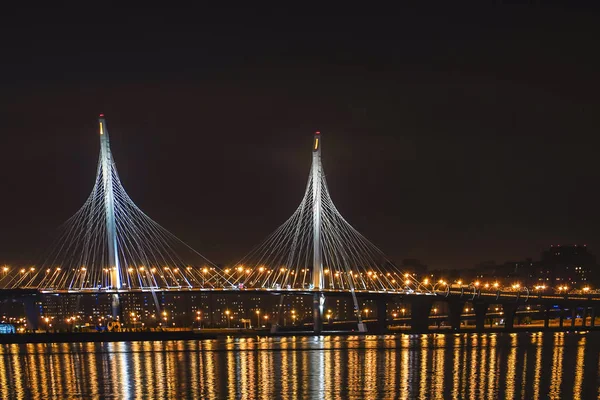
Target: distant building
x=413, y=266
x=523, y=272
x=569, y=265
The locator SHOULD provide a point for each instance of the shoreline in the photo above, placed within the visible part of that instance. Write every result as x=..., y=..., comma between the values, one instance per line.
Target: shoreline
x=83, y=337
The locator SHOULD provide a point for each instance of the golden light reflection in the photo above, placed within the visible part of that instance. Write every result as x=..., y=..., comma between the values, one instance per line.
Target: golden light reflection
x=458, y=345
x=423, y=365
x=557, y=365
x=511, y=367
x=537, y=340
x=579, y=360
x=405, y=369
x=462, y=366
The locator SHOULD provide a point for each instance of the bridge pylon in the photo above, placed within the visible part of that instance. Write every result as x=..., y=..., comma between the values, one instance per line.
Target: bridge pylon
x=317, y=268
x=316, y=250
x=110, y=245
x=106, y=167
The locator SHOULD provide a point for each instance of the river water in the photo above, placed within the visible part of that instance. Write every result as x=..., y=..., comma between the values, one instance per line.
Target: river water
x=435, y=366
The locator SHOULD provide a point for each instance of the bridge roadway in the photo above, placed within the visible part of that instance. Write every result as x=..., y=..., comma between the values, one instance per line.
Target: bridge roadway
x=421, y=303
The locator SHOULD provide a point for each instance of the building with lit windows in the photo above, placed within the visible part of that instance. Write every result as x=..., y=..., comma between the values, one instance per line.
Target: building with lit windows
x=570, y=265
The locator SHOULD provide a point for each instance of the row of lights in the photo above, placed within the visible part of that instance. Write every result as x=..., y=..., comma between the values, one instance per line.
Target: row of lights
x=496, y=285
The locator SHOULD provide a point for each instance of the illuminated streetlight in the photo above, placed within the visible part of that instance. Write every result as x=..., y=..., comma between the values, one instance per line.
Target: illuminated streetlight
x=227, y=312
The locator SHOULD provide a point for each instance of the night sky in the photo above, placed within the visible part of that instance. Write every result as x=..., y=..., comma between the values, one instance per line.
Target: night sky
x=450, y=135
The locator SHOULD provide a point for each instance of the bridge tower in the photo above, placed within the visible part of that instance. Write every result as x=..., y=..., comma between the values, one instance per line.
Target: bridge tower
x=317, y=270
x=107, y=167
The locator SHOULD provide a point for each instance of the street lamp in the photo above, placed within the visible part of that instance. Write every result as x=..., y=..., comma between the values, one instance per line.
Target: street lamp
x=561, y=288
x=258, y=318
x=199, y=318
x=227, y=312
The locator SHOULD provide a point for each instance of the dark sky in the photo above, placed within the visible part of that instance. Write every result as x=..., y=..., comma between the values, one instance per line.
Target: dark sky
x=451, y=135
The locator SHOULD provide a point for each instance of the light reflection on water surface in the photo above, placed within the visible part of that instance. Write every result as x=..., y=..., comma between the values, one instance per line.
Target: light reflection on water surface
x=465, y=366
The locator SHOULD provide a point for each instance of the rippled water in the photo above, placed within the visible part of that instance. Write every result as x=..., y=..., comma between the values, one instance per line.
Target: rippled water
x=465, y=366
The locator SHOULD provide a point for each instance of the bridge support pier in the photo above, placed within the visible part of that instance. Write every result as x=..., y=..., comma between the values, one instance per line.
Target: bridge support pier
x=32, y=313
x=509, y=315
x=546, y=316
x=116, y=306
x=455, y=311
x=381, y=315
x=318, y=305
x=480, y=311
x=561, y=317
x=592, y=316
x=573, y=316
x=420, y=308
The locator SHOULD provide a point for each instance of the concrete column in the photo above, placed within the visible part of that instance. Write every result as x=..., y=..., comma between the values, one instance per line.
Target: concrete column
x=584, y=315
x=573, y=316
x=546, y=316
x=318, y=305
x=509, y=315
x=32, y=312
x=381, y=304
x=455, y=308
x=561, y=316
x=480, y=311
x=420, y=308
x=593, y=316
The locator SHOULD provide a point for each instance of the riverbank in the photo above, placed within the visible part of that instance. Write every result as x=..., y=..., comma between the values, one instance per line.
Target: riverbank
x=73, y=337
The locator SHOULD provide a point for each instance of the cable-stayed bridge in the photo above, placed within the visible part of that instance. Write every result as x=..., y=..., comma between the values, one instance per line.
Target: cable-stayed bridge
x=111, y=246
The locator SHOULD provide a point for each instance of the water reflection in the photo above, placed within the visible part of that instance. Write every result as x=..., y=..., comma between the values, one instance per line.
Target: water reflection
x=461, y=366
